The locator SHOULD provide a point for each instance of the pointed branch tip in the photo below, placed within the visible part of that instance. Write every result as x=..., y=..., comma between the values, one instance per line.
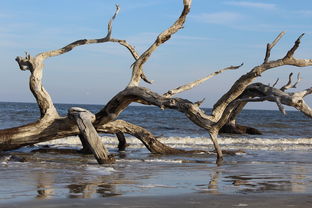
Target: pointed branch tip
x=236, y=67
x=275, y=82
x=271, y=45
x=198, y=103
x=187, y=2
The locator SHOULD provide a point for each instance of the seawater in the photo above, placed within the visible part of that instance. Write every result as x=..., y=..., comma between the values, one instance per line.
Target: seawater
x=279, y=161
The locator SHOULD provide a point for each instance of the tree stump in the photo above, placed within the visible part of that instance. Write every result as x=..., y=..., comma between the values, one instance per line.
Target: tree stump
x=89, y=135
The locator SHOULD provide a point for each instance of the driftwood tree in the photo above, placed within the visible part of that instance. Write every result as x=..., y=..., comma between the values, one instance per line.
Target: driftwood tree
x=51, y=126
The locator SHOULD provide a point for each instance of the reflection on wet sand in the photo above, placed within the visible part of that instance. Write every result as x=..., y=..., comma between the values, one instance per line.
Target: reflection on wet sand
x=45, y=186
x=89, y=190
x=77, y=176
x=213, y=184
x=292, y=179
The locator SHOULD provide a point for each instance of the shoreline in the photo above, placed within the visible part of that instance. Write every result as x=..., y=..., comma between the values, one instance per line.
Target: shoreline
x=262, y=200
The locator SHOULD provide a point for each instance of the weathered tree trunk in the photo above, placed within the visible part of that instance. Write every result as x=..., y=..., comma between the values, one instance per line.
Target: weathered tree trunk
x=86, y=149
x=89, y=135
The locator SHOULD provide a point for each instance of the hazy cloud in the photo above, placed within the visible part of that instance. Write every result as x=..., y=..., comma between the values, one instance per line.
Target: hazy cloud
x=219, y=17
x=251, y=4
x=307, y=13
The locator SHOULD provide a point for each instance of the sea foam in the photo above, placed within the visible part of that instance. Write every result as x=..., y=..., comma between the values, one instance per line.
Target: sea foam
x=201, y=143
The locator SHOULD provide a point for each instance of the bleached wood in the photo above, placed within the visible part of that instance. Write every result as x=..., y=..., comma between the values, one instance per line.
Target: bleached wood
x=191, y=85
x=294, y=99
x=81, y=42
x=240, y=85
x=48, y=111
x=270, y=46
x=162, y=38
x=84, y=119
x=289, y=83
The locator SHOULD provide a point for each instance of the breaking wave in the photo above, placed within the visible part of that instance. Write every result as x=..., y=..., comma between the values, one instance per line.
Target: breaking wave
x=244, y=143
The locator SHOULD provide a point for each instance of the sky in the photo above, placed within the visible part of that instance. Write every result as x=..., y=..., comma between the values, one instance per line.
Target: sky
x=217, y=34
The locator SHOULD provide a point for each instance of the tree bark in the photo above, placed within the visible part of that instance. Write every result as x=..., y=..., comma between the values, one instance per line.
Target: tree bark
x=84, y=118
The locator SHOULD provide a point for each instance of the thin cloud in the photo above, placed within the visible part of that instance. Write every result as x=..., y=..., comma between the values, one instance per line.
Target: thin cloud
x=306, y=13
x=251, y=4
x=219, y=17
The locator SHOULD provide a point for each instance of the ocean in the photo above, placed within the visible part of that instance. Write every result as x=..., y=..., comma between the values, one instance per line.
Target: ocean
x=279, y=161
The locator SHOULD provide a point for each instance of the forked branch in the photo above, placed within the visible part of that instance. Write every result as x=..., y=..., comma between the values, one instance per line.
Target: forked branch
x=240, y=85
x=162, y=38
x=289, y=83
x=271, y=45
x=72, y=45
x=291, y=52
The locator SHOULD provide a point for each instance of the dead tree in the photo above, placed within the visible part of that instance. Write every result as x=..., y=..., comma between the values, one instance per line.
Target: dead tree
x=51, y=126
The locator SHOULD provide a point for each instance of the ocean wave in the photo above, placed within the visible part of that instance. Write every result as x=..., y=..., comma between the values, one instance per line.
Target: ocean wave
x=201, y=143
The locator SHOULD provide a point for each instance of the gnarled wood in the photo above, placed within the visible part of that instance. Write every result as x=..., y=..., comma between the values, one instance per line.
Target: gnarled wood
x=240, y=85
x=162, y=38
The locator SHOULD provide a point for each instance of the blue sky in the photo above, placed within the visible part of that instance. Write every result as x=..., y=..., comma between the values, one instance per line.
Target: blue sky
x=217, y=34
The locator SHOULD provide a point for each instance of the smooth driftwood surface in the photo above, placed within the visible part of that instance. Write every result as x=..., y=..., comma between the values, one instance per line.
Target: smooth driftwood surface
x=84, y=119
x=52, y=126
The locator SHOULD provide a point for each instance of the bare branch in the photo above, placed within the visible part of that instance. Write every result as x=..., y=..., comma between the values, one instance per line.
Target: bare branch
x=72, y=45
x=288, y=85
x=275, y=82
x=265, y=92
x=279, y=105
x=303, y=93
x=134, y=54
x=198, y=103
x=308, y=92
x=110, y=23
x=35, y=66
x=128, y=46
x=162, y=38
x=147, y=138
x=145, y=96
x=270, y=46
x=44, y=100
x=291, y=52
x=191, y=85
x=298, y=80
x=240, y=85
x=298, y=62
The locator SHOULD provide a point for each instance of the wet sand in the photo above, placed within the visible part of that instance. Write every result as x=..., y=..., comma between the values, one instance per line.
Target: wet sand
x=181, y=201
